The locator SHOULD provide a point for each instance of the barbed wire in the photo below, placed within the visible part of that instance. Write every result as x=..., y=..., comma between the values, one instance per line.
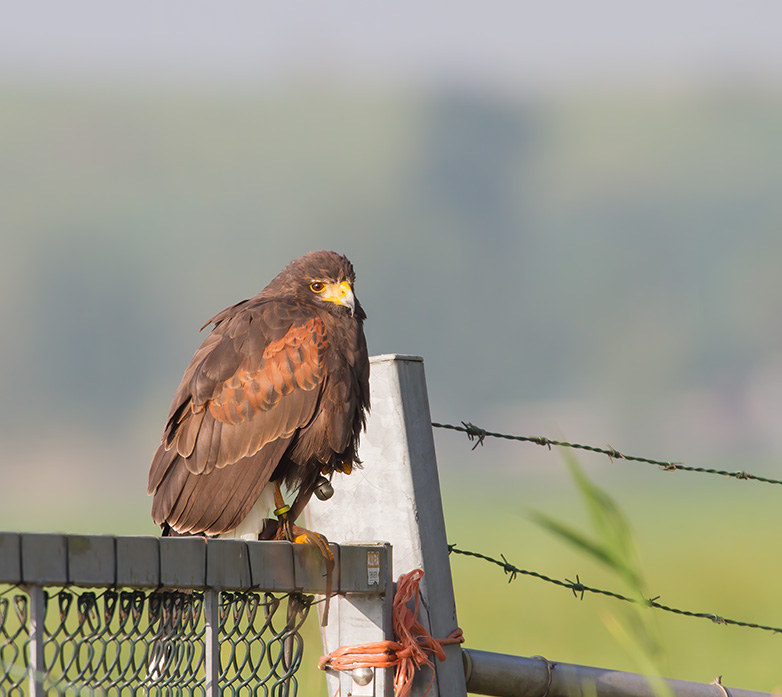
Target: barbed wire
x=579, y=588
x=477, y=434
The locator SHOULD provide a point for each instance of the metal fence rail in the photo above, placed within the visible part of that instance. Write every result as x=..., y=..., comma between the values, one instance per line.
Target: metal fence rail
x=502, y=675
x=141, y=615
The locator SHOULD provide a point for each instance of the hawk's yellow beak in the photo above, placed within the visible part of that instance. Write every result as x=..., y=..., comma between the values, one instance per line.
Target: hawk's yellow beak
x=341, y=293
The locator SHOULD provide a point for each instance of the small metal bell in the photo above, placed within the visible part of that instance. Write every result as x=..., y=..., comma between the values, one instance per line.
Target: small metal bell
x=323, y=488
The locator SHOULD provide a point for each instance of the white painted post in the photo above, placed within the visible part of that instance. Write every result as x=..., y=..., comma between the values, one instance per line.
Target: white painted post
x=395, y=498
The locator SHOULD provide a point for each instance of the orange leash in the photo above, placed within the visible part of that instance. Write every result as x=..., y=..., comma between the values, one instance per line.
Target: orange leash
x=410, y=651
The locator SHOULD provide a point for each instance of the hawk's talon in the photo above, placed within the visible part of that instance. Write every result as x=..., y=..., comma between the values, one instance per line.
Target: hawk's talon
x=345, y=466
x=310, y=537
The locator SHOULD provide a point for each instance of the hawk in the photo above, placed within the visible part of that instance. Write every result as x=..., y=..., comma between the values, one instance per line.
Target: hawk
x=276, y=395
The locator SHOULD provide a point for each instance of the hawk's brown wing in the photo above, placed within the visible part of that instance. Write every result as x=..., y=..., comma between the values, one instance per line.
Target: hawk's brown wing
x=255, y=380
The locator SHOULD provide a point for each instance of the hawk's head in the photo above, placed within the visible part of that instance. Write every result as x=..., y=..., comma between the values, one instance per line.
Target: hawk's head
x=324, y=279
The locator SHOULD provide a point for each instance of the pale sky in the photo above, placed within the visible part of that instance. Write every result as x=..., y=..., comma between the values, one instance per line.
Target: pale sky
x=517, y=44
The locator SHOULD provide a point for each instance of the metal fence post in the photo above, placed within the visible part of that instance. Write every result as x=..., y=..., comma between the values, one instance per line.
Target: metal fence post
x=36, y=618
x=212, y=641
x=395, y=497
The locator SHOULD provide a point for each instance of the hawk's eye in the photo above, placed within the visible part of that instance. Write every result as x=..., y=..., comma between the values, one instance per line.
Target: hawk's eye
x=317, y=286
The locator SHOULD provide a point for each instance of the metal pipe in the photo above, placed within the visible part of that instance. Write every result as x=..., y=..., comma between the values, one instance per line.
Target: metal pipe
x=502, y=675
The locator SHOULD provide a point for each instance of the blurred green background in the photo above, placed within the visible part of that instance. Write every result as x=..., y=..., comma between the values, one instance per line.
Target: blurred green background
x=574, y=216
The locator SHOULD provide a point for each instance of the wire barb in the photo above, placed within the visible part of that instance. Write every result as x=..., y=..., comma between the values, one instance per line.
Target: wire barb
x=474, y=433
x=508, y=569
x=478, y=434
x=576, y=587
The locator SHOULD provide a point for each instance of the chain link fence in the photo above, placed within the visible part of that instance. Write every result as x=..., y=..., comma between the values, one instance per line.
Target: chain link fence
x=217, y=617
x=135, y=642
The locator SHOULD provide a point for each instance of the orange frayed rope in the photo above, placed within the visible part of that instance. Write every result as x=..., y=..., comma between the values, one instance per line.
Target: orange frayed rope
x=409, y=652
